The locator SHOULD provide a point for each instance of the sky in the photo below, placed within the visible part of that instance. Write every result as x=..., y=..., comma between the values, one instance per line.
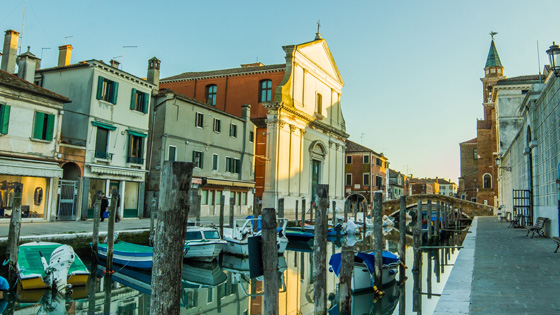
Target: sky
x=411, y=69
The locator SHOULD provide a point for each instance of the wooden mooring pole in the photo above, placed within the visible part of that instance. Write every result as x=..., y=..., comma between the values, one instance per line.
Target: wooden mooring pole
x=231, y=211
x=270, y=261
x=169, y=242
x=333, y=213
x=111, y=230
x=96, y=218
x=402, y=239
x=302, y=214
x=221, y=222
x=429, y=221
x=346, y=205
x=417, y=235
x=345, y=287
x=281, y=208
x=438, y=220
x=297, y=209
x=378, y=237
x=320, y=251
x=153, y=209
x=13, y=234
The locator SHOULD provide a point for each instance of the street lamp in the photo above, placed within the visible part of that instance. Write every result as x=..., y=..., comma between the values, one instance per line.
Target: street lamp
x=553, y=52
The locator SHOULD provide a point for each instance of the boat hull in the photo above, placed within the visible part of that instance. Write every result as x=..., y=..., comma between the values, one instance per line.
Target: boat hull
x=129, y=255
x=363, y=280
x=241, y=248
x=203, y=251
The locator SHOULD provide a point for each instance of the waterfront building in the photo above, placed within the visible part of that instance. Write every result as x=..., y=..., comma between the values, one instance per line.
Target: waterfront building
x=399, y=185
x=468, y=181
x=30, y=123
x=218, y=143
x=296, y=108
x=447, y=187
x=108, y=122
x=365, y=173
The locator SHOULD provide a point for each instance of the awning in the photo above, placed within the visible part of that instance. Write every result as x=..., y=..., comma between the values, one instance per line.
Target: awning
x=121, y=171
x=136, y=133
x=103, y=125
x=25, y=167
x=229, y=183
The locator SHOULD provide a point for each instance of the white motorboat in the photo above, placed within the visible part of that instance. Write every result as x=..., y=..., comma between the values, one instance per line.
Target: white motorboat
x=369, y=221
x=237, y=238
x=203, y=243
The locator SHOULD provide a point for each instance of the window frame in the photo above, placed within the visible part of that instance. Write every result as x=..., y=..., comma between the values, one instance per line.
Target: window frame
x=139, y=101
x=484, y=185
x=107, y=90
x=365, y=159
x=251, y=136
x=348, y=180
x=233, y=130
x=233, y=165
x=200, y=155
x=43, y=126
x=135, y=149
x=174, y=153
x=364, y=181
x=475, y=154
x=378, y=181
x=379, y=162
x=319, y=104
x=348, y=159
x=265, y=86
x=199, y=120
x=105, y=153
x=215, y=162
x=211, y=94
x=217, y=125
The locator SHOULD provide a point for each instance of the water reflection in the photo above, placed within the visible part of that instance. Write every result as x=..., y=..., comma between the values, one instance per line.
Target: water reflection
x=225, y=287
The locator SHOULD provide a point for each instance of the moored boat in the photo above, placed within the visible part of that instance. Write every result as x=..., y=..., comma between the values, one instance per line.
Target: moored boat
x=129, y=255
x=363, y=276
x=237, y=237
x=203, y=243
x=65, y=268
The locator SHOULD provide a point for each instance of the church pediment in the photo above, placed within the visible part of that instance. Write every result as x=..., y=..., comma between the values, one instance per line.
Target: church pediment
x=318, y=53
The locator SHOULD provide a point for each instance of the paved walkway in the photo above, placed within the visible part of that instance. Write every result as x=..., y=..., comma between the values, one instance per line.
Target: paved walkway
x=500, y=271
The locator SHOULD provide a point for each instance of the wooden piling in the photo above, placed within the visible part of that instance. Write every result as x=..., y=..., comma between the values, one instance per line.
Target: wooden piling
x=270, y=261
x=302, y=214
x=333, y=213
x=402, y=239
x=256, y=207
x=297, y=209
x=169, y=242
x=417, y=235
x=13, y=235
x=346, y=205
x=378, y=237
x=96, y=218
x=429, y=273
x=111, y=229
x=107, y=288
x=320, y=251
x=281, y=208
x=345, y=283
x=221, y=222
x=355, y=208
x=438, y=220
x=429, y=221
x=231, y=211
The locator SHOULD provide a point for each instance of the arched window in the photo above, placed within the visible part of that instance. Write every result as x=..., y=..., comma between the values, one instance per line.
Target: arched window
x=319, y=107
x=211, y=90
x=265, y=91
x=487, y=181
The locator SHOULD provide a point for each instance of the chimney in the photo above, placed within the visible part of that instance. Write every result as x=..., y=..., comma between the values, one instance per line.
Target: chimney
x=153, y=71
x=114, y=63
x=27, y=63
x=10, y=51
x=64, y=53
x=246, y=111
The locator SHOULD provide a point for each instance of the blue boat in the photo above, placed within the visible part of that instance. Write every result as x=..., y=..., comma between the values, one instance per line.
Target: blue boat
x=129, y=255
x=363, y=277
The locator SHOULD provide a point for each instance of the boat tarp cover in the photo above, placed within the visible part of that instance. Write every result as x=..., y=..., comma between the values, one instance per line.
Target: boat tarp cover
x=29, y=260
x=366, y=258
x=128, y=249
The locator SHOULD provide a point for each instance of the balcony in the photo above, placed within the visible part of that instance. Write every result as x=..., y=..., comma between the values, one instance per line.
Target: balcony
x=103, y=155
x=135, y=160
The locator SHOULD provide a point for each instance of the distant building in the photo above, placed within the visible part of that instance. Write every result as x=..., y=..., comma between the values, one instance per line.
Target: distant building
x=399, y=185
x=468, y=181
x=366, y=172
x=447, y=188
x=30, y=122
x=423, y=186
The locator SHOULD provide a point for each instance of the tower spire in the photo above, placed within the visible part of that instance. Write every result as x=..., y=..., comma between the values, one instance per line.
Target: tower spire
x=318, y=35
x=493, y=59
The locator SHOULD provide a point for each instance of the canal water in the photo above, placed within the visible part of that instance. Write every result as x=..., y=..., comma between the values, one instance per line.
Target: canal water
x=226, y=288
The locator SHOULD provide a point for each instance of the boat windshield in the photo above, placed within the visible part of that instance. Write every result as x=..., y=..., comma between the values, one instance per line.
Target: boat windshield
x=193, y=235
x=211, y=235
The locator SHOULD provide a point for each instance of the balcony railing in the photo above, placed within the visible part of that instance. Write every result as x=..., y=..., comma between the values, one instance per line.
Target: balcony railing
x=104, y=155
x=135, y=160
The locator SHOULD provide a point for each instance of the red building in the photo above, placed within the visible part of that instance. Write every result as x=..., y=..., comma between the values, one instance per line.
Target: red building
x=366, y=172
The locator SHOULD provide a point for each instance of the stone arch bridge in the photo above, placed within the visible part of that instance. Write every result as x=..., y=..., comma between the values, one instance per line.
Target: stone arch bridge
x=468, y=208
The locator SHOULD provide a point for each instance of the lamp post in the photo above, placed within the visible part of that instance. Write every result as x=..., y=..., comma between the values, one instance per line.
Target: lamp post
x=553, y=53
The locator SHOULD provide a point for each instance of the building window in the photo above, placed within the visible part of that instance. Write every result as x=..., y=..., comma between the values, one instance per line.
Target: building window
x=366, y=179
x=378, y=181
x=251, y=136
x=366, y=159
x=135, y=147
x=475, y=154
x=233, y=130
x=43, y=127
x=233, y=165
x=211, y=94
x=4, y=118
x=217, y=125
x=199, y=120
x=215, y=159
x=265, y=91
x=101, y=141
x=244, y=198
x=348, y=159
x=348, y=179
x=197, y=159
x=172, y=153
x=107, y=90
x=139, y=101
x=379, y=162
x=204, y=197
x=319, y=105
x=473, y=199
x=487, y=181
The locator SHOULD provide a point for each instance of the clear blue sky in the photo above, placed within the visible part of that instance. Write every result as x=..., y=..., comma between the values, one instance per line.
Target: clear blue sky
x=412, y=69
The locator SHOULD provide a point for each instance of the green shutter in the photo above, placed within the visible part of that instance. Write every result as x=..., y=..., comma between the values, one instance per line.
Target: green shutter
x=132, y=99
x=114, y=92
x=146, y=101
x=39, y=121
x=50, y=127
x=100, y=87
x=129, y=145
x=4, y=118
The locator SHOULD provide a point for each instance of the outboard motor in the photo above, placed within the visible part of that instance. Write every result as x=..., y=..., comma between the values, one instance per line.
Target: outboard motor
x=57, y=270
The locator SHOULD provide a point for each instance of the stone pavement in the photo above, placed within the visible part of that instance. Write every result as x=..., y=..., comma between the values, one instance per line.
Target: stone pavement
x=511, y=273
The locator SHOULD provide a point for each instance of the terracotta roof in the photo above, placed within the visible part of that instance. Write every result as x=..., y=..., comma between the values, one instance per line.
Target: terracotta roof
x=352, y=146
x=470, y=141
x=20, y=84
x=233, y=71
